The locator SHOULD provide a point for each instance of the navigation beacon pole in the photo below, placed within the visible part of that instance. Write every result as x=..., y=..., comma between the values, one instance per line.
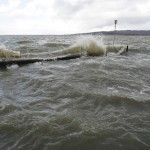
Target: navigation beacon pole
x=115, y=21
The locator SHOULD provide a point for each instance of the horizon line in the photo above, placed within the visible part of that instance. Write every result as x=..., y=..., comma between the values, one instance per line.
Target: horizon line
x=92, y=32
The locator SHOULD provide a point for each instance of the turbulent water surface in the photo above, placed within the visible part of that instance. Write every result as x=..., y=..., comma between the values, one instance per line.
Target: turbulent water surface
x=91, y=103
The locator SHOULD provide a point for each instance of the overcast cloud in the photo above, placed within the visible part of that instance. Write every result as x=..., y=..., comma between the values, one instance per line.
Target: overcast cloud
x=72, y=16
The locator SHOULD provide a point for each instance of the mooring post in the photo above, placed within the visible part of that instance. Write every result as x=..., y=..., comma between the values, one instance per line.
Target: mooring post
x=127, y=49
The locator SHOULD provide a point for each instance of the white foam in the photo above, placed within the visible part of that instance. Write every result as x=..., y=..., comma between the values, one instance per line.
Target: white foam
x=12, y=67
x=90, y=45
x=6, y=53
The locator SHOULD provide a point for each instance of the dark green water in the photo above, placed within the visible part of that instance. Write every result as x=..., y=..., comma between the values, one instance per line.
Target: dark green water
x=92, y=103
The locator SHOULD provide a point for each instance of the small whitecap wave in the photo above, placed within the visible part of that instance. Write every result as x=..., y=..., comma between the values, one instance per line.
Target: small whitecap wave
x=114, y=49
x=24, y=42
x=55, y=44
x=23, y=48
x=13, y=67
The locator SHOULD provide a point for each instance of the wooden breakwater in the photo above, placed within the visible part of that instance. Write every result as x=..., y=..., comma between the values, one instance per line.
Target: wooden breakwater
x=25, y=61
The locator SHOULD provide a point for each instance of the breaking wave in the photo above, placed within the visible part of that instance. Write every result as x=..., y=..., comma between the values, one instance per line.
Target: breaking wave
x=89, y=45
x=6, y=53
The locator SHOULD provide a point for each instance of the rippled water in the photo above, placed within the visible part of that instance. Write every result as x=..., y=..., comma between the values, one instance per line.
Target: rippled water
x=89, y=103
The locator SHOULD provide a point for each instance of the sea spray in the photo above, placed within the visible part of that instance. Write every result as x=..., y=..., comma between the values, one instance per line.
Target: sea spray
x=89, y=45
x=6, y=53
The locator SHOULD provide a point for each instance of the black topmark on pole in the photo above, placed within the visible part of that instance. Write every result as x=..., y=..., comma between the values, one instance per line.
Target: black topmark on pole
x=115, y=21
x=115, y=24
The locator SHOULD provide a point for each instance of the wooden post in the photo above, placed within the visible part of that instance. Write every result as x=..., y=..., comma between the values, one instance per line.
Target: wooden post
x=127, y=49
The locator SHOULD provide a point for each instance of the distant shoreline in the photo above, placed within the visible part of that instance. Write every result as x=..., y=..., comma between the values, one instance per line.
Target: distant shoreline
x=117, y=32
x=122, y=32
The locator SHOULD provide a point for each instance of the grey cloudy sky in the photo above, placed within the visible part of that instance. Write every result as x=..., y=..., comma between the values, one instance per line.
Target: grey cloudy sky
x=72, y=16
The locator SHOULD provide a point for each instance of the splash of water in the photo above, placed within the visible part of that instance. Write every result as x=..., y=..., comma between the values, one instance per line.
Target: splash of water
x=89, y=45
x=6, y=53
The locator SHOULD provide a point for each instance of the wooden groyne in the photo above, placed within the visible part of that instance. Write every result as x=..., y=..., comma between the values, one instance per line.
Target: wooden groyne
x=25, y=61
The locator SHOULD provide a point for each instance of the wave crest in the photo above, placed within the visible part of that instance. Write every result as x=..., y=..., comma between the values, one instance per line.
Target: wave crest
x=6, y=53
x=90, y=45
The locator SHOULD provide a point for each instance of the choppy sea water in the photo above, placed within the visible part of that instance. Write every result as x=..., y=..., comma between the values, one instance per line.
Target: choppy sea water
x=89, y=103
